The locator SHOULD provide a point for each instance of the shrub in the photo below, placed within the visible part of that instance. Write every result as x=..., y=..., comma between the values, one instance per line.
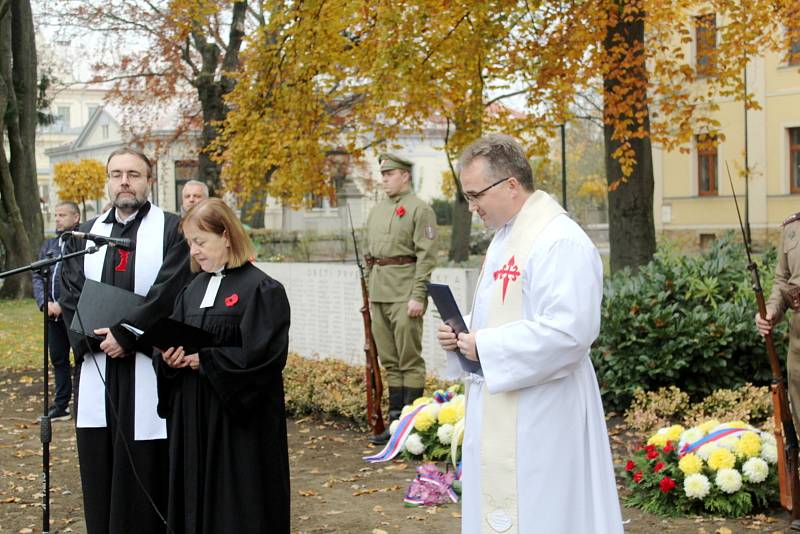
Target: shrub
x=652, y=410
x=332, y=387
x=685, y=320
x=443, y=209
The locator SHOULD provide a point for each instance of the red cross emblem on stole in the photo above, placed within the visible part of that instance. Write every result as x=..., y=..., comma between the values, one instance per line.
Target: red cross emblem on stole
x=509, y=273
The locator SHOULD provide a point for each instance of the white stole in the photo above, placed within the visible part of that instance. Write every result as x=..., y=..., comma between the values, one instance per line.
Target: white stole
x=148, y=259
x=498, y=440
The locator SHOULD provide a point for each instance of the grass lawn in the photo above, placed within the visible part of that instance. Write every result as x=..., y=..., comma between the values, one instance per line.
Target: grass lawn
x=20, y=334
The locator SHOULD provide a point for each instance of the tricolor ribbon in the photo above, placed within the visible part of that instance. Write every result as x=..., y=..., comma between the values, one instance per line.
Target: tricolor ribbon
x=395, y=444
x=713, y=436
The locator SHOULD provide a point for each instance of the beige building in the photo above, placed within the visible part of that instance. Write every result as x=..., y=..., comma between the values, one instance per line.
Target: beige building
x=693, y=198
x=71, y=107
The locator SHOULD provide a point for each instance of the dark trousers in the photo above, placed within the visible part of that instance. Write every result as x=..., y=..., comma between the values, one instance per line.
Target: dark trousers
x=58, y=343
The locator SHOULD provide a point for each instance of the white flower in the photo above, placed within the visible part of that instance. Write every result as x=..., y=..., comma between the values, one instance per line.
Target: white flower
x=445, y=434
x=414, y=444
x=768, y=437
x=728, y=480
x=769, y=452
x=729, y=442
x=755, y=470
x=393, y=426
x=696, y=486
x=691, y=435
x=705, y=450
x=663, y=430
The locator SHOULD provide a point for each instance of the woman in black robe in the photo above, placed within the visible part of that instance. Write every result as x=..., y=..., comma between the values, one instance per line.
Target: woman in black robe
x=224, y=404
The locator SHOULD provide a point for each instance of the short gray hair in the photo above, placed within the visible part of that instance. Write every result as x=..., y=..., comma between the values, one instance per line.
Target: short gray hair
x=504, y=156
x=198, y=182
x=71, y=205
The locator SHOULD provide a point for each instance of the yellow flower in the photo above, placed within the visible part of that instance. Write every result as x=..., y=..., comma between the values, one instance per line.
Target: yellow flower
x=674, y=433
x=749, y=445
x=708, y=426
x=421, y=400
x=407, y=409
x=659, y=440
x=690, y=464
x=423, y=421
x=448, y=414
x=721, y=458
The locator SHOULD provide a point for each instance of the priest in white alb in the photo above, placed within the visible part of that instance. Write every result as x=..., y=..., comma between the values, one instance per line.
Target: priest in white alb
x=536, y=455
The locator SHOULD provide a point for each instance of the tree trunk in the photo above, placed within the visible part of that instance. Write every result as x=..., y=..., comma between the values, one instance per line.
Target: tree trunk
x=631, y=228
x=462, y=229
x=253, y=210
x=20, y=212
x=212, y=88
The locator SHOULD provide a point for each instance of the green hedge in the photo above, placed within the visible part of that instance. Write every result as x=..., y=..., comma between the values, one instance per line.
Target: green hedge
x=685, y=320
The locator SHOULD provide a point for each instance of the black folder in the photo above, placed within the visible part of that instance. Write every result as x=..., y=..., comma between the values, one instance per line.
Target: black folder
x=101, y=306
x=448, y=310
x=168, y=333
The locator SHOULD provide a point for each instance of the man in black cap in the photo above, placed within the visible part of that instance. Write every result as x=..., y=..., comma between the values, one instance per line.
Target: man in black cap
x=401, y=246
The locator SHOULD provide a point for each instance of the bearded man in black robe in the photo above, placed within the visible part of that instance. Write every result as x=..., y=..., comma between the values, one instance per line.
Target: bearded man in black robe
x=115, y=382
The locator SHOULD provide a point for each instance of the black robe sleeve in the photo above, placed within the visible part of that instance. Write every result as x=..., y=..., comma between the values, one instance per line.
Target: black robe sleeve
x=160, y=299
x=164, y=373
x=242, y=375
x=72, y=280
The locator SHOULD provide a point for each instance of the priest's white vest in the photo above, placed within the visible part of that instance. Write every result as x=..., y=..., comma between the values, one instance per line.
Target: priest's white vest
x=498, y=442
x=91, y=410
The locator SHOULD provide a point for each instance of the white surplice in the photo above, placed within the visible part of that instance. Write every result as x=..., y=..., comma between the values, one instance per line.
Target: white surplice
x=565, y=478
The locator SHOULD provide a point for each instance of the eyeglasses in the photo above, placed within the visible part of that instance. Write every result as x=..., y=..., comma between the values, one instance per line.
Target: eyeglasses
x=475, y=197
x=132, y=175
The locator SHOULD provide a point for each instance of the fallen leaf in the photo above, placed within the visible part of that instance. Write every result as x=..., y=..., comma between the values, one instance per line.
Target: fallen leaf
x=308, y=493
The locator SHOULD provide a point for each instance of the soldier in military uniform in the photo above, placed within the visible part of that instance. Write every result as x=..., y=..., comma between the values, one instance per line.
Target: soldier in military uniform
x=786, y=294
x=401, y=232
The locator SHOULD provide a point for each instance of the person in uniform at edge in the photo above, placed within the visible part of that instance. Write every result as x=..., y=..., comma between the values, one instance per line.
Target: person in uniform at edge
x=193, y=192
x=116, y=414
x=536, y=456
x=786, y=295
x=401, y=253
x=67, y=217
x=224, y=403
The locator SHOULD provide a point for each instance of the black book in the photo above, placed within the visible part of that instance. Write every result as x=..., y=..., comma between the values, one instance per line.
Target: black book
x=101, y=306
x=168, y=333
x=448, y=310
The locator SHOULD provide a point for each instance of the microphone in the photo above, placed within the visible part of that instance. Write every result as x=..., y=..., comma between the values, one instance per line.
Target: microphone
x=119, y=242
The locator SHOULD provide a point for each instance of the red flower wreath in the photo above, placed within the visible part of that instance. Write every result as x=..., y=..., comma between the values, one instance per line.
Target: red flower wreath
x=400, y=211
x=230, y=301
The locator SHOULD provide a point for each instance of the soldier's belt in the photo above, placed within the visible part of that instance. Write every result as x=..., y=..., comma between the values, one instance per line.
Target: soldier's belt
x=392, y=260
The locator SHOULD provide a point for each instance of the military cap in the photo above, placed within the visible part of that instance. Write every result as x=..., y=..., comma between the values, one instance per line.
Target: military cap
x=390, y=161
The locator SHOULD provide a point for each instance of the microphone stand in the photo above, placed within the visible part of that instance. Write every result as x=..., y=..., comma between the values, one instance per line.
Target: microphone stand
x=45, y=431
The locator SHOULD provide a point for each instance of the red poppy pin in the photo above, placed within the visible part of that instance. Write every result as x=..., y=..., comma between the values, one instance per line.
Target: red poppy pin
x=400, y=211
x=232, y=300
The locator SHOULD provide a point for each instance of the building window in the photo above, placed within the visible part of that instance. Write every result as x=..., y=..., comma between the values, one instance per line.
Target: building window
x=706, y=166
x=705, y=29
x=63, y=117
x=185, y=170
x=794, y=159
x=793, y=58
x=104, y=130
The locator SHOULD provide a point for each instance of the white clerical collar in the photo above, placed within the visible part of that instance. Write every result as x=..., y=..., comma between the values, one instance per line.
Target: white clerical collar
x=212, y=288
x=127, y=219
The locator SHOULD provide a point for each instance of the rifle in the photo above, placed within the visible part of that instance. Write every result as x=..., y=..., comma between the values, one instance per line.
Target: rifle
x=785, y=436
x=373, y=372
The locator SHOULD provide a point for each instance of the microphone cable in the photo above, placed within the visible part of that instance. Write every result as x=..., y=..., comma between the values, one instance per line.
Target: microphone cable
x=119, y=432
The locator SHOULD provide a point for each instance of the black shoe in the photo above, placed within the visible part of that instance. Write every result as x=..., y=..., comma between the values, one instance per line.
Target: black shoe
x=380, y=439
x=59, y=414
x=795, y=526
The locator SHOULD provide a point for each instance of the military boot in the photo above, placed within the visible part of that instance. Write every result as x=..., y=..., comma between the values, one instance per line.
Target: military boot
x=396, y=395
x=412, y=394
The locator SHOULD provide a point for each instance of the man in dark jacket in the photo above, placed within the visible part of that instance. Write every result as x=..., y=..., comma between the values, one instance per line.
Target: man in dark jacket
x=67, y=216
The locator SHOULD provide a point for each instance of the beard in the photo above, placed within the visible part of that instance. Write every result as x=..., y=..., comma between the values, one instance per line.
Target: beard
x=128, y=202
